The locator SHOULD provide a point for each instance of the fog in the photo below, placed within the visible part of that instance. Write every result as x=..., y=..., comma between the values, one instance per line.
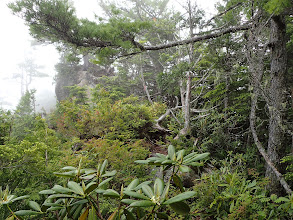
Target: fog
x=16, y=48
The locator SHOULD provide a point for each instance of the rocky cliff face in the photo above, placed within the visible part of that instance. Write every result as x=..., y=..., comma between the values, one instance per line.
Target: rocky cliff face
x=87, y=74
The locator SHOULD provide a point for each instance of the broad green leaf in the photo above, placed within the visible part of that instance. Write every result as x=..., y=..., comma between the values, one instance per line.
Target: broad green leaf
x=142, y=161
x=231, y=207
x=83, y=186
x=152, y=159
x=195, y=164
x=109, y=173
x=167, y=162
x=92, y=214
x=9, y=198
x=198, y=157
x=180, y=197
x=142, y=203
x=61, y=189
x=180, y=207
x=69, y=168
x=19, y=198
x=111, y=193
x=105, y=181
x=90, y=171
x=190, y=159
x=158, y=187
x=161, y=155
x=79, y=167
x=66, y=174
x=180, y=155
x=83, y=201
x=10, y=218
x=128, y=201
x=88, y=177
x=47, y=192
x=147, y=190
x=133, y=184
x=35, y=206
x=184, y=169
x=159, y=160
x=90, y=187
x=55, y=208
x=52, y=204
x=165, y=192
x=54, y=196
x=77, y=211
x=140, y=185
x=178, y=182
x=104, y=165
x=189, y=156
x=135, y=195
x=75, y=187
x=63, y=214
x=26, y=212
x=100, y=191
x=171, y=152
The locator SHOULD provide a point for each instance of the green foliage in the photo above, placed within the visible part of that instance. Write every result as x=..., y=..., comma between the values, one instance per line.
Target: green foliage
x=176, y=161
x=29, y=152
x=5, y=125
x=111, y=124
x=288, y=160
x=6, y=199
x=87, y=189
x=29, y=160
x=277, y=6
x=56, y=21
x=123, y=119
x=227, y=193
x=24, y=116
x=121, y=154
x=78, y=95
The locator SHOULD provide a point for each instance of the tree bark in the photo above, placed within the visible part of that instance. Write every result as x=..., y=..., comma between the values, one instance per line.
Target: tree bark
x=212, y=35
x=274, y=96
x=145, y=88
x=276, y=149
x=279, y=177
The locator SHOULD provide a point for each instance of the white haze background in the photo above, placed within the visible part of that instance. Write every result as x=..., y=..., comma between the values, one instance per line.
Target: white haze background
x=15, y=47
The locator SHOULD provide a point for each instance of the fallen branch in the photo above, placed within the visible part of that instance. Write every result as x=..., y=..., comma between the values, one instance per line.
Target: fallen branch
x=162, y=117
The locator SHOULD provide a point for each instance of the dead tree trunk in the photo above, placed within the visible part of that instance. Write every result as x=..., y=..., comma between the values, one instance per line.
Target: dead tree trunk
x=145, y=88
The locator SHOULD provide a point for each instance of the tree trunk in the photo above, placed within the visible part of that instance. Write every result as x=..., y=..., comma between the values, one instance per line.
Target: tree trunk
x=145, y=88
x=186, y=109
x=276, y=149
x=226, y=99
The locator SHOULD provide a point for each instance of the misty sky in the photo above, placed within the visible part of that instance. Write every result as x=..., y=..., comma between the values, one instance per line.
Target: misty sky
x=15, y=44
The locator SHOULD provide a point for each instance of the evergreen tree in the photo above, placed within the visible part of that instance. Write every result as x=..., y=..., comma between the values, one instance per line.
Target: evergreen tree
x=24, y=116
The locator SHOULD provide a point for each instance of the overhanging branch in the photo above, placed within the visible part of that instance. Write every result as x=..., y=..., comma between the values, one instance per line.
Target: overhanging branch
x=229, y=30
